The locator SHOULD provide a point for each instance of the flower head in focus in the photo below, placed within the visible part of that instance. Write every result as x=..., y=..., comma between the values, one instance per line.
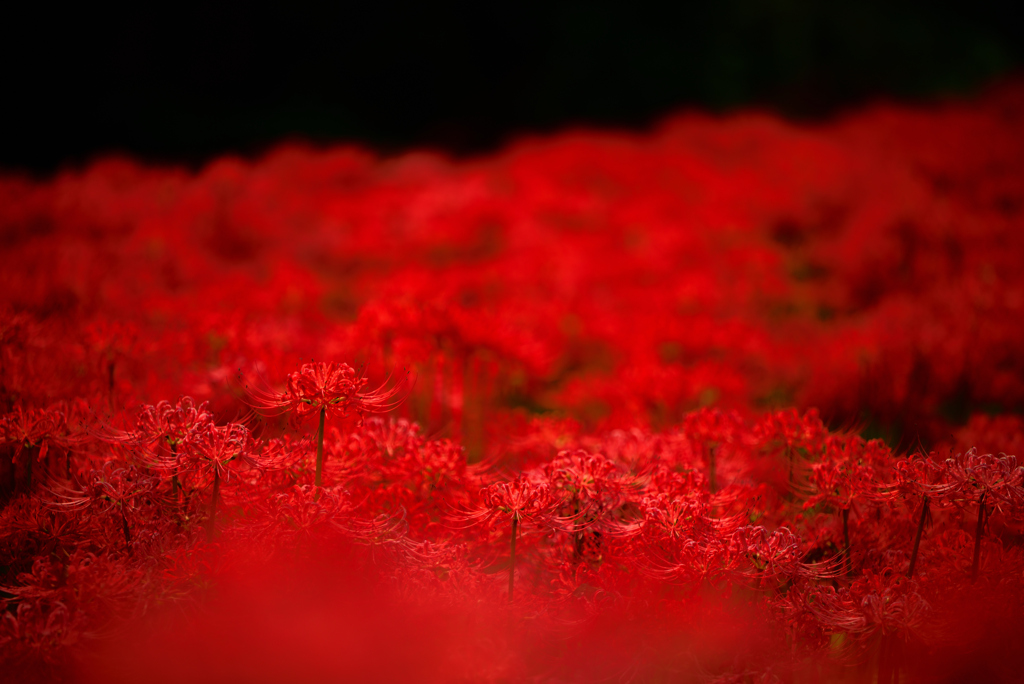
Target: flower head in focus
x=334, y=387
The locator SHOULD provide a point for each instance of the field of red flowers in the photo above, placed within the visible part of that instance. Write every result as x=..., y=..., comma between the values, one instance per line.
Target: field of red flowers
x=733, y=400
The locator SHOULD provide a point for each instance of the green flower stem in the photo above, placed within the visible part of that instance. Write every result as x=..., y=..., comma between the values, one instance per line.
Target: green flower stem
x=978, y=531
x=175, y=482
x=512, y=564
x=124, y=526
x=917, y=538
x=318, y=480
x=848, y=562
x=213, y=505
x=711, y=469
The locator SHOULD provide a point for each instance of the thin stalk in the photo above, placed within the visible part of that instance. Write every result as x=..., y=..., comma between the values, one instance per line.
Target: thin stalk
x=318, y=480
x=124, y=527
x=917, y=537
x=175, y=483
x=110, y=383
x=472, y=409
x=213, y=504
x=846, y=541
x=789, y=459
x=512, y=564
x=711, y=469
x=577, y=533
x=979, y=530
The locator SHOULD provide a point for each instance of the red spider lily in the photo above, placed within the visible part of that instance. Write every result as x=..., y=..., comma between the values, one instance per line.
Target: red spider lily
x=519, y=501
x=391, y=454
x=385, y=530
x=692, y=562
x=440, y=566
x=666, y=518
x=775, y=555
x=977, y=477
x=522, y=500
x=296, y=516
x=849, y=473
x=429, y=476
x=298, y=510
x=398, y=469
x=676, y=537
x=711, y=429
x=62, y=600
x=166, y=424
x=116, y=488
x=797, y=439
x=592, y=487
x=923, y=476
x=322, y=388
x=31, y=528
x=216, y=451
x=926, y=479
x=590, y=481
x=279, y=454
x=110, y=342
x=28, y=429
x=392, y=437
x=170, y=423
x=884, y=608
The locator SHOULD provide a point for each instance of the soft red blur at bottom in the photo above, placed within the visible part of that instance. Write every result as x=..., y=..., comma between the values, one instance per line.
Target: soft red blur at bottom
x=295, y=620
x=324, y=614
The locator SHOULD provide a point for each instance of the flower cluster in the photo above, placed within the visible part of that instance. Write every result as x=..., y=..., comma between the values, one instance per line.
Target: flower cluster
x=731, y=400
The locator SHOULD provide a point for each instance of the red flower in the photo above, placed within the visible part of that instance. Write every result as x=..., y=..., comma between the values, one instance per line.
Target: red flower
x=333, y=387
x=27, y=428
x=172, y=423
x=211, y=451
x=999, y=477
x=322, y=388
x=118, y=489
x=520, y=500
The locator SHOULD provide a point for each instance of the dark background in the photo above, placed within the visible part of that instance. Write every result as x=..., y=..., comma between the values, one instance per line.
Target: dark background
x=174, y=83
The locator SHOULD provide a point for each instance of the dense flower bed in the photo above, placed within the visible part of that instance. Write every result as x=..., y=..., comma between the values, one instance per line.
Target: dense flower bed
x=597, y=407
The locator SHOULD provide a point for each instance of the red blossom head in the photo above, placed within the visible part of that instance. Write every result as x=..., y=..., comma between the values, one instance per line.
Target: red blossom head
x=333, y=387
x=998, y=477
x=25, y=428
x=173, y=423
x=591, y=482
x=923, y=476
x=218, y=449
x=776, y=554
x=520, y=500
x=876, y=602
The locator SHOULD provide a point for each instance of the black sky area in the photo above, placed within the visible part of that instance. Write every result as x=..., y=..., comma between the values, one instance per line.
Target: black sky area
x=180, y=84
